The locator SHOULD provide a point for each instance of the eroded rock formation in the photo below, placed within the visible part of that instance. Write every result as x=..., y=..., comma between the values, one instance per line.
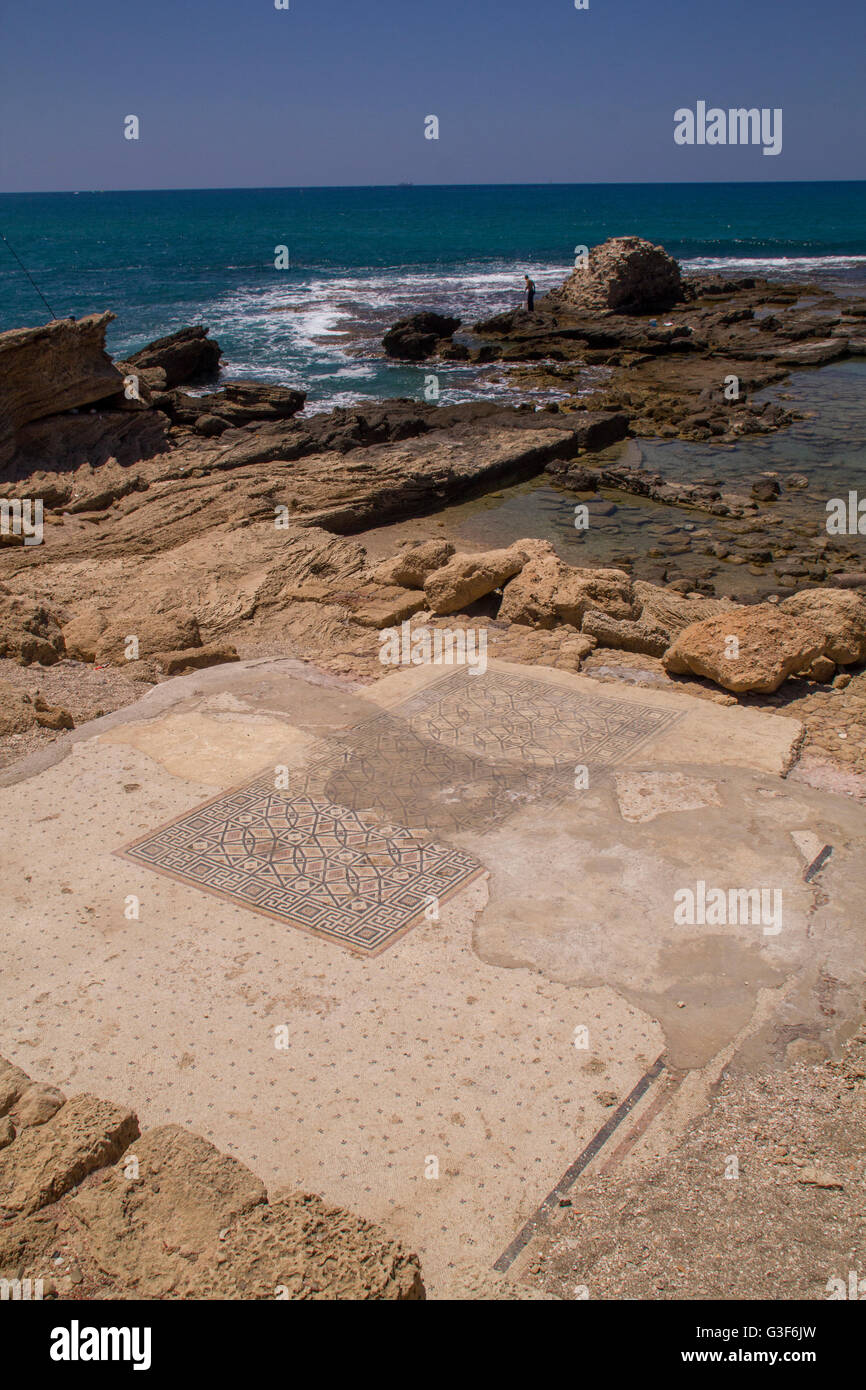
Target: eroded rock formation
x=416, y=337
x=625, y=275
x=93, y=1208
x=45, y=371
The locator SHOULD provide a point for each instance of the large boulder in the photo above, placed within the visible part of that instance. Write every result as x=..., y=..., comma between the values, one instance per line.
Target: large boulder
x=36, y=1106
x=625, y=275
x=188, y=355
x=466, y=578
x=769, y=647
x=841, y=616
x=547, y=592
x=415, y=337
x=101, y=635
x=625, y=635
x=186, y=1193
x=49, y=1159
x=172, y=631
x=45, y=371
x=410, y=567
x=237, y=403
x=380, y=605
x=196, y=658
x=670, y=611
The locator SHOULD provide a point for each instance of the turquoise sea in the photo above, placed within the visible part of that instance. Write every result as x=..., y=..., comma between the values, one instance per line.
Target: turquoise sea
x=362, y=257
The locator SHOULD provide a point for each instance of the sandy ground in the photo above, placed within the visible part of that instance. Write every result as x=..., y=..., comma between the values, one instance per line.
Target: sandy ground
x=762, y=1199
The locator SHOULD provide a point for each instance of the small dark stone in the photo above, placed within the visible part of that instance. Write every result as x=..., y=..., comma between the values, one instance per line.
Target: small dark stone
x=766, y=489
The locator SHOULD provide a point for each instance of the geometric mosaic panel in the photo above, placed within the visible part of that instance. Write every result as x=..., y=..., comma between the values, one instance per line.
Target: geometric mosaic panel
x=383, y=766
x=466, y=752
x=351, y=851
x=505, y=717
x=324, y=868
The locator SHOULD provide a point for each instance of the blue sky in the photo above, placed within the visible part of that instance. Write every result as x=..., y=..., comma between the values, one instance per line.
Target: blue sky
x=233, y=93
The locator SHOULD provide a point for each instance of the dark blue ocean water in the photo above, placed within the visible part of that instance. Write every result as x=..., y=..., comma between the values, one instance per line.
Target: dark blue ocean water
x=362, y=257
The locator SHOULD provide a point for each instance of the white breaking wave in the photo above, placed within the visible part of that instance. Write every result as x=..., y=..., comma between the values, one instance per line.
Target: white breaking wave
x=309, y=330
x=356, y=372
x=797, y=264
x=323, y=333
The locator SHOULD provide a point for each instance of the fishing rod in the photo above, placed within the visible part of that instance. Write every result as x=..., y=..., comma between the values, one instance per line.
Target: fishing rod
x=29, y=276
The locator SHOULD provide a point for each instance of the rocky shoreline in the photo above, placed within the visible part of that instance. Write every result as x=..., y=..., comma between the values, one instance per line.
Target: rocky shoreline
x=668, y=374
x=169, y=519
x=211, y=523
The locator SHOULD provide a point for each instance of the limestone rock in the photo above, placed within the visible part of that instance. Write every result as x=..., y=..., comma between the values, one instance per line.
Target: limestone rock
x=36, y=1105
x=841, y=616
x=593, y=430
x=17, y=714
x=185, y=356
x=380, y=605
x=772, y=646
x=171, y=631
x=29, y=631
x=48, y=1160
x=563, y=647
x=92, y=489
x=298, y=1247
x=814, y=354
x=47, y=370
x=392, y=480
x=855, y=579
x=766, y=489
x=52, y=716
x=13, y=1083
x=314, y=557
x=410, y=567
x=415, y=337
x=670, y=611
x=195, y=658
x=821, y=669
x=82, y=633
x=182, y=1220
x=466, y=578
x=625, y=635
x=148, y=1231
x=211, y=426
x=625, y=275
x=818, y=1177
x=93, y=439
x=547, y=592
x=236, y=403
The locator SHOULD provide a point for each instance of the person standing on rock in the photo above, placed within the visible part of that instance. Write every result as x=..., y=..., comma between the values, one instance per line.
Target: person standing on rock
x=530, y=294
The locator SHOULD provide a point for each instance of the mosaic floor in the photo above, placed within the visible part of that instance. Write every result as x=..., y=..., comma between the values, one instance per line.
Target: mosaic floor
x=321, y=867
x=468, y=751
x=336, y=853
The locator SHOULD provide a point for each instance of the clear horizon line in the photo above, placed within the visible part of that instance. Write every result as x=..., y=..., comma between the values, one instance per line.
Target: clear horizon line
x=341, y=187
